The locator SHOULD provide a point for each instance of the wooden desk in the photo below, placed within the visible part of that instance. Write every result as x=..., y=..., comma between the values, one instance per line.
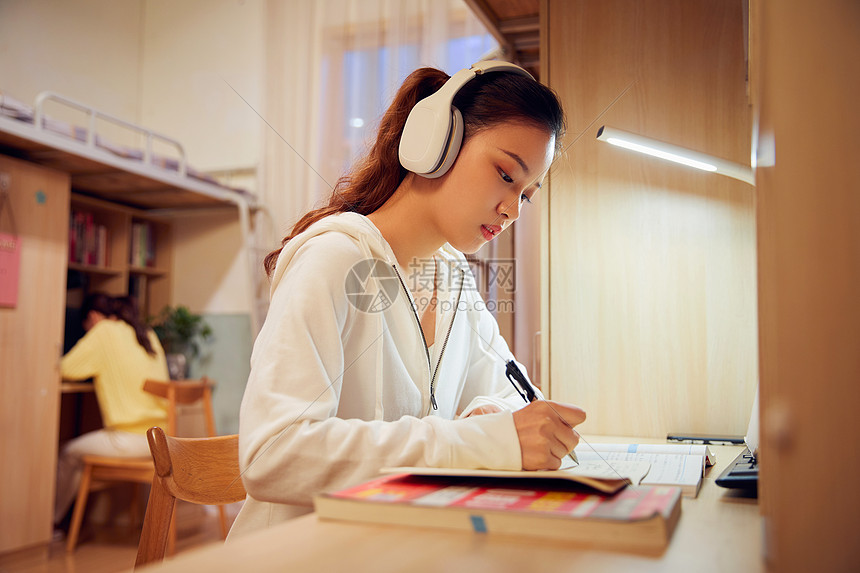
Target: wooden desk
x=79, y=410
x=76, y=387
x=718, y=531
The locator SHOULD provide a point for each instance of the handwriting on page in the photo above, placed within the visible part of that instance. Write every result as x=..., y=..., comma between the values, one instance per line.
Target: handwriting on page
x=594, y=467
x=665, y=468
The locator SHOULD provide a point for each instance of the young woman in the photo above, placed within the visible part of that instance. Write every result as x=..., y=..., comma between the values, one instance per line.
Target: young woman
x=119, y=353
x=361, y=366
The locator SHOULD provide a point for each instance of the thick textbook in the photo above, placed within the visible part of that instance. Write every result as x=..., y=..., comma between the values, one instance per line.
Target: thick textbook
x=634, y=518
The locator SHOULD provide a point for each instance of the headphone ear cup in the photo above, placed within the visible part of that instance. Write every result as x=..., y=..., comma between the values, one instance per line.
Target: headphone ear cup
x=452, y=147
x=433, y=130
x=425, y=135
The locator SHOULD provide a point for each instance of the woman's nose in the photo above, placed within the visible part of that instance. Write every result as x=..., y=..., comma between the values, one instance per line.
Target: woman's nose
x=509, y=209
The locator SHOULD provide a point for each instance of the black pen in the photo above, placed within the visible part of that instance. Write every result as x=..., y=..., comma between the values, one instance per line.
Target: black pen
x=527, y=392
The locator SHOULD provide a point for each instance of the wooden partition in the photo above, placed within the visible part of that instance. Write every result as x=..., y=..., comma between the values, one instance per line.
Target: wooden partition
x=31, y=343
x=649, y=268
x=807, y=70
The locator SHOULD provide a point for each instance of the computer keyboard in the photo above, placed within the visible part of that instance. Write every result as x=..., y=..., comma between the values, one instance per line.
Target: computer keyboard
x=741, y=473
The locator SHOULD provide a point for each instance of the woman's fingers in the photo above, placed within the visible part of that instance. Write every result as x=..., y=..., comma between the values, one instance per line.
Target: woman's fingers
x=546, y=434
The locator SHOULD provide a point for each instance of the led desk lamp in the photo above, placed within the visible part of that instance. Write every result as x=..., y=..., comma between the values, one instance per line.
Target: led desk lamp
x=674, y=153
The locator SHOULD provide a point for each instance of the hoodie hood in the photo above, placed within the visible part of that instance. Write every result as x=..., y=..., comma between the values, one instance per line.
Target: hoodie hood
x=356, y=226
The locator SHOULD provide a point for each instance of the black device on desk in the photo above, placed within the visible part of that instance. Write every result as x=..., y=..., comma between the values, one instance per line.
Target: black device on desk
x=743, y=471
x=715, y=439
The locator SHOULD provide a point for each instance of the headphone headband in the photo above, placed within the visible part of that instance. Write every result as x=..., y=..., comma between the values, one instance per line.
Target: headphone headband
x=434, y=129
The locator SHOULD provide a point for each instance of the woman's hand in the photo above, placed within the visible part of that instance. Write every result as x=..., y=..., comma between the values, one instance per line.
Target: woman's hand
x=544, y=436
x=488, y=409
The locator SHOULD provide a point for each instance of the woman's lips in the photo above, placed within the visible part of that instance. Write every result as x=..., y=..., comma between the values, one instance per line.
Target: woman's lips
x=490, y=231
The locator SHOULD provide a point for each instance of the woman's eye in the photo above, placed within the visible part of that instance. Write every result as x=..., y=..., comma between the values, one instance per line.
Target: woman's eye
x=505, y=177
x=525, y=198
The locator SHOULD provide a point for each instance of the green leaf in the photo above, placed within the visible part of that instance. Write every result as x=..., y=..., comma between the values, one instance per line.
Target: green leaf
x=180, y=331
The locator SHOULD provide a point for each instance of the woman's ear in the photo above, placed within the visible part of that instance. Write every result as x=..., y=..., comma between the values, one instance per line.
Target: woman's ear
x=92, y=318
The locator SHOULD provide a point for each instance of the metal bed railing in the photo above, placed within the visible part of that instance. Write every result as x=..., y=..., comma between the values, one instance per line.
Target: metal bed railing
x=93, y=115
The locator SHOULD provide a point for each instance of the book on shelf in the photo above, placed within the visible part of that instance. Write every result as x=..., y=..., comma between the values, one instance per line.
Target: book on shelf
x=142, y=250
x=633, y=518
x=88, y=240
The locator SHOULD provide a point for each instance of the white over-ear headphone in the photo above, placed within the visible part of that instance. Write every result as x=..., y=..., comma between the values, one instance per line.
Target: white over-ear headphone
x=434, y=129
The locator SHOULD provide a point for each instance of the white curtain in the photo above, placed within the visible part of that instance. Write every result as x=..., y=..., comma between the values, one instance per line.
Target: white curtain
x=332, y=67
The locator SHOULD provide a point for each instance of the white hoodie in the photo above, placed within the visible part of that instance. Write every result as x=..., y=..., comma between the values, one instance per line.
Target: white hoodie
x=337, y=392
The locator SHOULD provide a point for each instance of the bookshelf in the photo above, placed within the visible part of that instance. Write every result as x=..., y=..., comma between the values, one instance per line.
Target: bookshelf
x=125, y=251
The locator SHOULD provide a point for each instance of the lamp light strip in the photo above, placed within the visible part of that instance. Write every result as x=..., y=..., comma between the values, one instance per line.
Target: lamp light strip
x=675, y=153
x=661, y=154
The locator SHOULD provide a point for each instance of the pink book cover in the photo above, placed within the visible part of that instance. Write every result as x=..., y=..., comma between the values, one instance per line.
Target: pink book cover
x=632, y=503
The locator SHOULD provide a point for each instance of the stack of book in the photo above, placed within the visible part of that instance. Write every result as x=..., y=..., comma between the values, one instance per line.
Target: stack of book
x=142, y=251
x=602, y=502
x=88, y=240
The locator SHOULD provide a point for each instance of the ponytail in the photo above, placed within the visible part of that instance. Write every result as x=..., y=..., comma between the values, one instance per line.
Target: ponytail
x=374, y=178
x=125, y=309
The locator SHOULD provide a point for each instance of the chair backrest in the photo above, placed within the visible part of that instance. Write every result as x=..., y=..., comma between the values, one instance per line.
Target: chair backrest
x=199, y=470
x=184, y=392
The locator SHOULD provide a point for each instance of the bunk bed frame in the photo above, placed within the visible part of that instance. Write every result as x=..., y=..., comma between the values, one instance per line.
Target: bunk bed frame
x=126, y=176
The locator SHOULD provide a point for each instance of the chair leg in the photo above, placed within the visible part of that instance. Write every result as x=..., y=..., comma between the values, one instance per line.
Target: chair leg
x=80, y=506
x=171, y=539
x=222, y=513
x=154, y=535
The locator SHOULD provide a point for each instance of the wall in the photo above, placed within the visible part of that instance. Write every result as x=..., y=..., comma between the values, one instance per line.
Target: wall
x=195, y=54
x=165, y=65
x=201, y=59
x=53, y=44
x=200, y=240
x=162, y=64
x=201, y=81
x=649, y=267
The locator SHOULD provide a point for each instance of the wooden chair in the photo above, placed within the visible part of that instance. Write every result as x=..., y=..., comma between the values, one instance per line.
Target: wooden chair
x=102, y=471
x=199, y=470
x=180, y=392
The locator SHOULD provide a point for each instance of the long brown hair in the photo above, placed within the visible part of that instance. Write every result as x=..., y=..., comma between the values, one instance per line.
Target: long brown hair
x=485, y=101
x=126, y=309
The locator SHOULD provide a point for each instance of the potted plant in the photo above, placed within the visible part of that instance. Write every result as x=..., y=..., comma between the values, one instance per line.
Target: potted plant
x=181, y=333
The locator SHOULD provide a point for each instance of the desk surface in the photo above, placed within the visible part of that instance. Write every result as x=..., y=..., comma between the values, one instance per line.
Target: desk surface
x=720, y=530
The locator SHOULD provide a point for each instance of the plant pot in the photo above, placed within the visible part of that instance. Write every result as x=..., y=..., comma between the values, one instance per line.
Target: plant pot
x=177, y=366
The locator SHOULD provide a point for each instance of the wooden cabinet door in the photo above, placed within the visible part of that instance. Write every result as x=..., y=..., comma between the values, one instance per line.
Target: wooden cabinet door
x=808, y=215
x=31, y=343
x=649, y=300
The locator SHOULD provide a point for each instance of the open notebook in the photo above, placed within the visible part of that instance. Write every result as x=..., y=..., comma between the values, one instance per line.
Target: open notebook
x=743, y=471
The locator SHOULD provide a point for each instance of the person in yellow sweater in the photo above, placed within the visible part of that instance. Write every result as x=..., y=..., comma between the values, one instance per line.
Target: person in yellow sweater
x=119, y=353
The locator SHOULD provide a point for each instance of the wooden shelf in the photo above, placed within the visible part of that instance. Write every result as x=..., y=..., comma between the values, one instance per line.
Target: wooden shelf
x=124, y=274
x=148, y=271
x=94, y=269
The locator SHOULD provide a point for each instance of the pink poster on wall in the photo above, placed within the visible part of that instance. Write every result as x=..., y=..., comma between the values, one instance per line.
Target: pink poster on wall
x=10, y=262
